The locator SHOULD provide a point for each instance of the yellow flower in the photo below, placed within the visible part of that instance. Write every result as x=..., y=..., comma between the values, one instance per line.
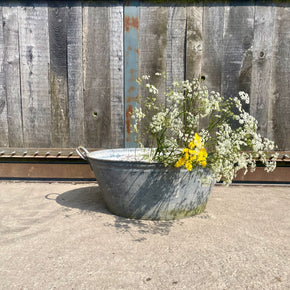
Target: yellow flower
x=202, y=154
x=188, y=166
x=196, y=137
x=180, y=162
x=197, y=141
x=185, y=150
x=193, y=156
x=191, y=145
x=189, y=155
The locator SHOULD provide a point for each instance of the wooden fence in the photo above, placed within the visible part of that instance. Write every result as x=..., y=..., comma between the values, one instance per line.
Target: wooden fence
x=68, y=68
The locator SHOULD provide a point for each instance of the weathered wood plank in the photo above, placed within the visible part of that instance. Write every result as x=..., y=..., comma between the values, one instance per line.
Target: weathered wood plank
x=194, y=41
x=153, y=39
x=262, y=65
x=213, y=26
x=58, y=21
x=4, y=142
x=34, y=67
x=176, y=27
x=153, y=48
x=96, y=59
x=243, y=50
x=12, y=71
x=237, y=49
x=116, y=75
x=279, y=111
x=75, y=73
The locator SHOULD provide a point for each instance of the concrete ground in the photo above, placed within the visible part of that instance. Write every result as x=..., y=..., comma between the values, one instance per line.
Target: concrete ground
x=60, y=236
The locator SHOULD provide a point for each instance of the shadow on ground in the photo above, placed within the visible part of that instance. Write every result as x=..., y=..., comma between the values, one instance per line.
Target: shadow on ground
x=90, y=199
x=84, y=198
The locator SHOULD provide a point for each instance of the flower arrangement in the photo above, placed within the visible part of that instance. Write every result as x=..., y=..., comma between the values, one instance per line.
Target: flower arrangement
x=194, y=128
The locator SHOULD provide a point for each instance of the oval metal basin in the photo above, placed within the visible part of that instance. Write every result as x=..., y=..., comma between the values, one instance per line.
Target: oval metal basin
x=134, y=188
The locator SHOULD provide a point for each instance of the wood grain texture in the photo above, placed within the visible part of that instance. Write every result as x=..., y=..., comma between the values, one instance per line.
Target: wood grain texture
x=34, y=67
x=237, y=49
x=4, y=142
x=116, y=75
x=262, y=65
x=153, y=39
x=58, y=21
x=75, y=73
x=153, y=48
x=61, y=61
x=96, y=57
x=194, y=41
x=213, y=26
x=279, y=112
x=12, y=71
x=176, y=27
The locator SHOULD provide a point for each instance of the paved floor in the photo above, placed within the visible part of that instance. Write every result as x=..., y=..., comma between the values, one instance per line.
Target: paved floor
x=60, y=236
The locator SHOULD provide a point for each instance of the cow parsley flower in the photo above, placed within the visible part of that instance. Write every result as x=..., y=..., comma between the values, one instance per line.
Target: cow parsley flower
x=190, y=126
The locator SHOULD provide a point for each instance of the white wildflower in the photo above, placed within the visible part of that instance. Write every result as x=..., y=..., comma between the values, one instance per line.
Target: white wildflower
x=190, y=109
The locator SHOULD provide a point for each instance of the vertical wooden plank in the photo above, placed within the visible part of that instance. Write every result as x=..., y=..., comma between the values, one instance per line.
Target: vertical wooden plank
x=153, y=43
x=213, y=26
x=57, y=20
x=75, y=73
x=11, y=56
x=131, y=54
x=153, y=39
x=116, y=75
x=96, y=64
x=176, y=27
x=279, y=111
x=262, y=65
x=194, y=41
x=237, y=48
x=152, y=49
x=34, y=67
x=3, y=101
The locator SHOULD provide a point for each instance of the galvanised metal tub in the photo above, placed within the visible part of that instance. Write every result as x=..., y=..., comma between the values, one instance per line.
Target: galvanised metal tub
x=138, y=189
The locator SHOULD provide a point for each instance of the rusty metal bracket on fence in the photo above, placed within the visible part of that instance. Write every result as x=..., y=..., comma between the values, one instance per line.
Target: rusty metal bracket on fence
x=59, y=164
x=39, y=153
x=71, y=153
x=65, y=164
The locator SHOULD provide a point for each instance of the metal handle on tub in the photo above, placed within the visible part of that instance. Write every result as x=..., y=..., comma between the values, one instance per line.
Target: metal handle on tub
x=83, y=152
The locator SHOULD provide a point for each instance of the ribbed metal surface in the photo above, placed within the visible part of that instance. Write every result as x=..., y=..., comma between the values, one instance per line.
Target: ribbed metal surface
x=143, y=190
